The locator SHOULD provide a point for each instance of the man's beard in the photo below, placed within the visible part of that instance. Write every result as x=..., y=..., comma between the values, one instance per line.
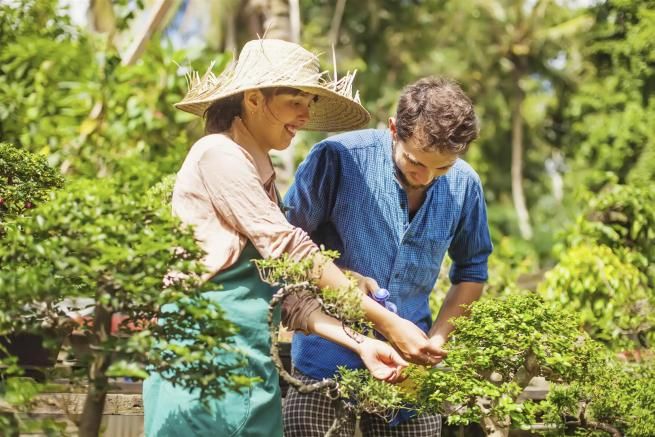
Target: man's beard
x=401, y=176
x=405, y=183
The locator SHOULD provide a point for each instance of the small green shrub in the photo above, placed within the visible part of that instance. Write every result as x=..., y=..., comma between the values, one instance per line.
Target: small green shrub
x=606, y=267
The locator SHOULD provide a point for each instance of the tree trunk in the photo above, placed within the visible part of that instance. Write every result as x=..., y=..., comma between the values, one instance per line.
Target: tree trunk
x=101, y=16
x=278, y=25
x=278, y=22
x=517, y=161
x=336, y=22
x=494, y=427
x=143, y=34
x=294, y=20
x=225, y=14
x=98, y=382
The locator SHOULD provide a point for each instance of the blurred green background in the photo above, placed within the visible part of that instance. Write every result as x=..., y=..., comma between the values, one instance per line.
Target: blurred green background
x=564, y=90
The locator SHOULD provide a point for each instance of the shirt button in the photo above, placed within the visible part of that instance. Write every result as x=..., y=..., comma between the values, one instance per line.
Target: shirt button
x=397, y=275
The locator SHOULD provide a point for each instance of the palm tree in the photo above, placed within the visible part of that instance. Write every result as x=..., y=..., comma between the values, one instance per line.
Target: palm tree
x=523, y=39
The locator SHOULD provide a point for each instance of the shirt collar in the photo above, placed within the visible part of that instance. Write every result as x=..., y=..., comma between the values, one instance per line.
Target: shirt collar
x=242, y=136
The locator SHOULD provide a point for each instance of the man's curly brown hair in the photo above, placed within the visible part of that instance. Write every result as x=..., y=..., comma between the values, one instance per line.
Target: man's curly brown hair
x=438, y=114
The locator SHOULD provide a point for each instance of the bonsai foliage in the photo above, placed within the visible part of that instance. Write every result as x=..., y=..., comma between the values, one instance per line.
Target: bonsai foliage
x=493, y=355
x=300, y=278
x=25, y=181
x=610, y=396
x=100, y=247
x=606, y=268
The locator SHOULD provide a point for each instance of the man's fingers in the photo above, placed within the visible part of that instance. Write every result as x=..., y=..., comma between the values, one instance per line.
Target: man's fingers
x=394, y=357
x=429, y=359
x=435, y=350
x=370, y=285
x=382, y=373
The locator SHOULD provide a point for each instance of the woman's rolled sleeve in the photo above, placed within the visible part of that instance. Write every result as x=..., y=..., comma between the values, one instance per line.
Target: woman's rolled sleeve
x=296, y=310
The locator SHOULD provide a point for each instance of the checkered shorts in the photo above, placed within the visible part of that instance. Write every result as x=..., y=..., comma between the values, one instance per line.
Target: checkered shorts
x=312, y=414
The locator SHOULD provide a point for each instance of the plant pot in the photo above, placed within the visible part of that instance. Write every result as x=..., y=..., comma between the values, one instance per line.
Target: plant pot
x=36, y=353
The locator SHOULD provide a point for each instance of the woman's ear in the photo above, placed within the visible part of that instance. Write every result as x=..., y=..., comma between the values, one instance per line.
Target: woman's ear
x=253, y=100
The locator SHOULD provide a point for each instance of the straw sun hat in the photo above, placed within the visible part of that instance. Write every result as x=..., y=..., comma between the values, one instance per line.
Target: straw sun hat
x=266, y=63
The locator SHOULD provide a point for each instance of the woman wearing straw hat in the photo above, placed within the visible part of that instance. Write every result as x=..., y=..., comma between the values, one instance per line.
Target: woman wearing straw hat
x=225, y=189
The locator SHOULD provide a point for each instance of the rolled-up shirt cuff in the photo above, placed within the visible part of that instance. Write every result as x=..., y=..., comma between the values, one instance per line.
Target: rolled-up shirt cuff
x=469, y=273
x=296, y=310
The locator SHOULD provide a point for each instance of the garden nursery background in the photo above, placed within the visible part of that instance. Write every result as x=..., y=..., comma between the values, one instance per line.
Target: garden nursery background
x=90, y=142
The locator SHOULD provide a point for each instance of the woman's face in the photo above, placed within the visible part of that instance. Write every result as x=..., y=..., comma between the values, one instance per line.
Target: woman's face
x=279, y=117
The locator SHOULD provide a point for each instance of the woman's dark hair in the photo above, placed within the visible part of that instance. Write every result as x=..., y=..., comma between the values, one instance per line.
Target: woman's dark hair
x=219, y=116
x=437, y=112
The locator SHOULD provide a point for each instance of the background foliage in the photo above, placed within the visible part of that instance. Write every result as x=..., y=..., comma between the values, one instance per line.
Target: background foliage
x=564, y=91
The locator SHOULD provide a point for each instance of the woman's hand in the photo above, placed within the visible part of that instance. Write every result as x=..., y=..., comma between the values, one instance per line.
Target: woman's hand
x=381, y=360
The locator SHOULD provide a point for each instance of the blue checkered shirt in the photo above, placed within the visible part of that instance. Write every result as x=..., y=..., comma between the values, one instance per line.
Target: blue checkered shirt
x=347, y=198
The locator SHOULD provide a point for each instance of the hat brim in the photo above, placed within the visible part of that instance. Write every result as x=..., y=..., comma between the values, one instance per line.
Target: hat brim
x=332, y=112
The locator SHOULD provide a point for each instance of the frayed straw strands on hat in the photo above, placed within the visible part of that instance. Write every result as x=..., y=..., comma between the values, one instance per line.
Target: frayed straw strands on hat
x=268, y=63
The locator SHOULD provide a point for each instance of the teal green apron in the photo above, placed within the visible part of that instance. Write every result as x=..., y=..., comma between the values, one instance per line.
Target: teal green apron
x=173, y=411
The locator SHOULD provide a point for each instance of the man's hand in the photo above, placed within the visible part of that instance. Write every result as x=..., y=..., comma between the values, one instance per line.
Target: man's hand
x=381, y=360
x=413, y=344
x=436, y=347
x=366, y=284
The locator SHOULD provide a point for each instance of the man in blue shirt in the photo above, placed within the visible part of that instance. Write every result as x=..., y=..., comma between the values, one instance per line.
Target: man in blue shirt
x=392, y=202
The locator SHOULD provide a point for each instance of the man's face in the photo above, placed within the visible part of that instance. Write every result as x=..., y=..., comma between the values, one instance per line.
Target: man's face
x=417, y=168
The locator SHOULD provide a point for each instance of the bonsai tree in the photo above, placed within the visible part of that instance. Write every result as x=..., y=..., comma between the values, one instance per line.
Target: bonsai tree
x=493, y=355
x=301, y=279
x=611, y=397
x=26, y=181
x=104, y=245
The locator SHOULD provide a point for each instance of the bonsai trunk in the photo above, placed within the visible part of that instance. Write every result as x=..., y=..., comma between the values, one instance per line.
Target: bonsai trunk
x=89, y=425
x=499, y=427
x=494, y=427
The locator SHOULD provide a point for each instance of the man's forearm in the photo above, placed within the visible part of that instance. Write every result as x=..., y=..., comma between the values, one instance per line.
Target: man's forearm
x=459, y=297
